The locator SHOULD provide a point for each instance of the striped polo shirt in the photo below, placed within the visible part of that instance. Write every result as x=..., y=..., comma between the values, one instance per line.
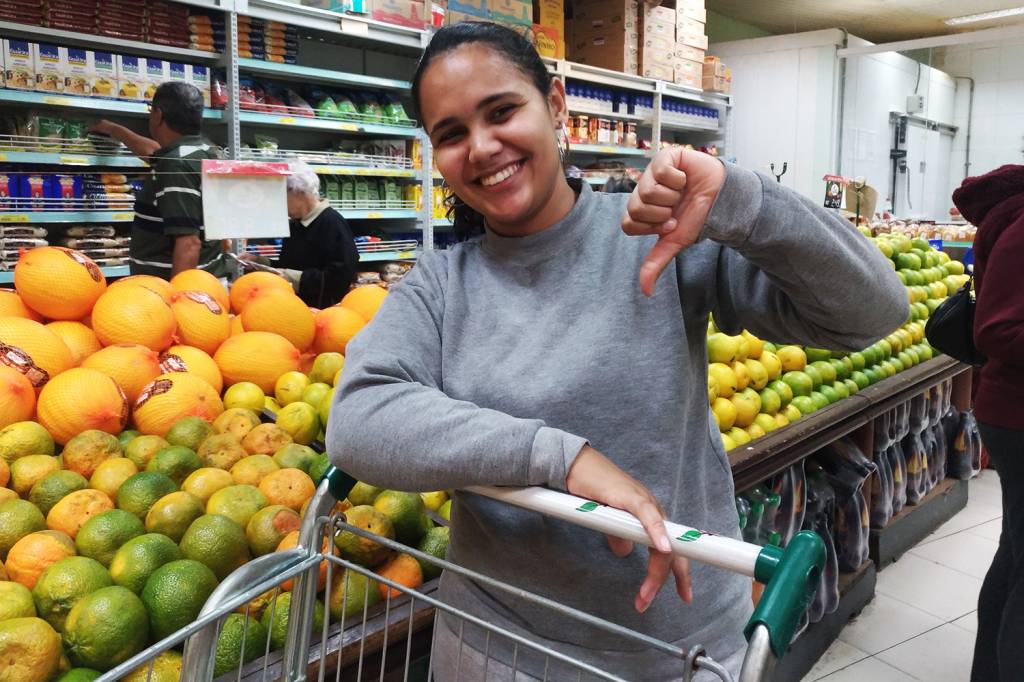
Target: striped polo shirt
x=170, y=205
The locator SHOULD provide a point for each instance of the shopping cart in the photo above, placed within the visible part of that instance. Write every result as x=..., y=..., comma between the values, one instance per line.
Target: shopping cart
x=387, y=642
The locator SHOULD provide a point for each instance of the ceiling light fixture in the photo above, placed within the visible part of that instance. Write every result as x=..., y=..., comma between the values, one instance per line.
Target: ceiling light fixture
x=985, y=16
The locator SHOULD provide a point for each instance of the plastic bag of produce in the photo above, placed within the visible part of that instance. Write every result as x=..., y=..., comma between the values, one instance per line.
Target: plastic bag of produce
x=960, y=462
x=393, y=110
x=975, y=443
x=743, y=513
x=821, y=504
x=881, y=491
x=931, y=456
x=847, y=468
x=935, y=404
x=791, y=487
x=898, y=464
x=324, y=104
x=764, y=506
x=918, y=414
x=883, y=428
x=902, y=429
x=941, y=452
x=852, y=531
x=917, y=468
x=346, y=107
x=368, y=106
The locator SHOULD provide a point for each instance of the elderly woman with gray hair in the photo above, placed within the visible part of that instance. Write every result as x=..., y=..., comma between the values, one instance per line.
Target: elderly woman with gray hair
x=319, y=257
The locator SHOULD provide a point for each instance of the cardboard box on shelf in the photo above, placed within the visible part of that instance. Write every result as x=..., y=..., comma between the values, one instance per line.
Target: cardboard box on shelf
x=411, y=13
x=717, y=84
x=659, y=45
x=686, y=26
x=103, y=74
x=657, y=71
x=607, y=52
x=550, y=13
x=156, y=72
x=597, y=9
x=549, y=42
x=474, y=8
x=693, y=9
x=51, y=62
x=19, y=67
x=687, y=72
x=714, y=66
x=199, y=76
x=695, y=41
x=658, y=13
x=686, y=52
x=511, y=11
x=77, y=76
x=131, y=77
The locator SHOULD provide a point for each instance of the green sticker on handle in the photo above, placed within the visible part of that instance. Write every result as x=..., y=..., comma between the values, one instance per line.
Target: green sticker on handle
x=587, y=507
x=690, y=536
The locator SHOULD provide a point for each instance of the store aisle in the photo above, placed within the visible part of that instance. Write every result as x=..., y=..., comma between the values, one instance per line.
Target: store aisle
x=921, y=623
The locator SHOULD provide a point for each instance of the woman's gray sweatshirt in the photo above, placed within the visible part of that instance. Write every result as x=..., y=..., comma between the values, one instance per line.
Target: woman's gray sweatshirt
x=493, y=363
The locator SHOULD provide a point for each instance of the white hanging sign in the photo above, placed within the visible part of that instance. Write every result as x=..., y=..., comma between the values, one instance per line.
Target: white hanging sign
x=244, y=199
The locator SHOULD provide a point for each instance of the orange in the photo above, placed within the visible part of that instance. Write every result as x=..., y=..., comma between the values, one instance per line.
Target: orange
x=402, y=569
x=5, y=473
x=265, y=439
x=71, y=513
x=17, y=397
x=33, y=553
x=11, y=305
x=280, y=312
x=365, y=300
x=171, y=397
x=28, y=470
x=335, y=327
x=291, y=541
x=132, y=366
x=203, y=321
x=201, y=280
x=253, y=283
x=192, y=361
x=33, y=350
x=79, y=400
x=268, y=527
x=86, y=451
x=251, y=470
x=288, y=487
x=236, y=325
x=134, y=315
x=58, y=283
x=257, y=357
x=111, y=473
x=160, y=286
x=80, y=340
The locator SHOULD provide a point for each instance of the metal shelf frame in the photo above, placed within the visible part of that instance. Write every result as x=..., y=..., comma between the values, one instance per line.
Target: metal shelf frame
x=7, y=276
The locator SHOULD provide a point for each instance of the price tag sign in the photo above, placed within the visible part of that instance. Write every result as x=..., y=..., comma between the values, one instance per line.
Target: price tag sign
x=406, y=254
x=287, y=120
x=61, y=101
x=3, y=157
x=122, y=217
x=73, y=160
x=355, y=28
x=350, y=127
x=323, y=170
x=608, y=150
x=14, y=218
x=374, y=214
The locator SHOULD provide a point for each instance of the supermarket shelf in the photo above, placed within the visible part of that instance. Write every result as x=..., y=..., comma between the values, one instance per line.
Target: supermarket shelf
x=378, y=214
x=612, y=115
x=315, y=75
x=767, y=456
x=915, y=522
x=605, y=150
x=362, y=171
x=73, y=159
x=596, y=181
x=389, y=36
x=958, y=245
x=695, y=95
x=311, y=123
x=74, y=38
x=109, y=106
x=377, y=256
x=441, y=222
x=113, y=271
x=615, y=79
x=683, y=127
x=41, y=217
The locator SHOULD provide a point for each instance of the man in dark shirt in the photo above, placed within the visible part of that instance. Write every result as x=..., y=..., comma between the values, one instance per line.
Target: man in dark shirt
x=319, y=257
x=167, y=233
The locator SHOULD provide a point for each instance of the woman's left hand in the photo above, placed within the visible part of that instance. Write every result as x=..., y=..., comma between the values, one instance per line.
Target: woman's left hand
x=672, y=200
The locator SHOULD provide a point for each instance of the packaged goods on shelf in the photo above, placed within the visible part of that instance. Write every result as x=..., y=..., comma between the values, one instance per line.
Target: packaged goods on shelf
x=475, y=8
x=549, y=41
x=257, y=39
x=511, y=11
x=19, y=65
x=956, y=232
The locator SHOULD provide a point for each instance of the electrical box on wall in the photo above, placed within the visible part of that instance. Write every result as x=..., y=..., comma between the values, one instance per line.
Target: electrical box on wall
x=915, y=104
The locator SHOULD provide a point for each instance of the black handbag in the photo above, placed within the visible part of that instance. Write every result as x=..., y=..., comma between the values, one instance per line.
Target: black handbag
x=950, y=329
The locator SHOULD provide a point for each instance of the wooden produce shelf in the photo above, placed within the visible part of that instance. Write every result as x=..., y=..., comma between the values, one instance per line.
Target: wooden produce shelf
x=915, y=522
x=767, y=456
x=856, y=590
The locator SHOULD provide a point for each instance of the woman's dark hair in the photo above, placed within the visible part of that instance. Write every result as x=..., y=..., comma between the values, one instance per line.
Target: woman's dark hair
x=509, y=45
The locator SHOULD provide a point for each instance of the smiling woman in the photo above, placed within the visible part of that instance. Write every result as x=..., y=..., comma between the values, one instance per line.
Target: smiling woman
x=542, y=353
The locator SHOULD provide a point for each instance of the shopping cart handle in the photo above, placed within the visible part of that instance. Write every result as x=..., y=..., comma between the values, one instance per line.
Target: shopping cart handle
x=339, y=484
x=790, y=584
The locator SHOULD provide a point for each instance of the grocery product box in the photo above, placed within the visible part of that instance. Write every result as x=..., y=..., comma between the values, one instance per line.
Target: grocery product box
x=50, y=64
x=714, y=66
x=177, y=72
x=411, y=13
x=19, y=67
x=77, y=78
x=600, y=9
x=156, y=72
x=688, y=72
x=511, y=11
x=717, y=84
x=102, y=69
x=593, y=27
x=474, y=8
x=199, y=76
x=699, y=42
x=607, y=52
x=685, y=26
x=657, y=13
x=693, y=9
x=549, y=42
x=131, y=77
x=684, y=51
x=550, y=13
x=659, y=72
x=660, y=47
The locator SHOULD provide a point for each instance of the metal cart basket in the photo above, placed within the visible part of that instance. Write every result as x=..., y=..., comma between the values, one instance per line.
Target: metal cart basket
x=386, y=642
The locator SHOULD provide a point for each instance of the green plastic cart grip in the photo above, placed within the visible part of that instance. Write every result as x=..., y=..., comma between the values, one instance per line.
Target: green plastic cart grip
x=791, y=578
x=339, y=484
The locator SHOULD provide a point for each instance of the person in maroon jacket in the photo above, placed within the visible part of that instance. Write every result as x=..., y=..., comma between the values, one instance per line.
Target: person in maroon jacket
x=995, y=203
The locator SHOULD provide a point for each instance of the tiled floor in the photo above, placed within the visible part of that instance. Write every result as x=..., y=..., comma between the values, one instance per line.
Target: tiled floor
x=921, y=623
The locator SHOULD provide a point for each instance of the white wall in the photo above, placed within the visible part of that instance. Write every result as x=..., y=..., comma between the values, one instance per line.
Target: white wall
x=784, y=91
x=997, y=131
x=877, y=84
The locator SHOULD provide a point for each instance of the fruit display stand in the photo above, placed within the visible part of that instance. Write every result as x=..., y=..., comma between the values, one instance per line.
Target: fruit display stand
x=853, y=418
